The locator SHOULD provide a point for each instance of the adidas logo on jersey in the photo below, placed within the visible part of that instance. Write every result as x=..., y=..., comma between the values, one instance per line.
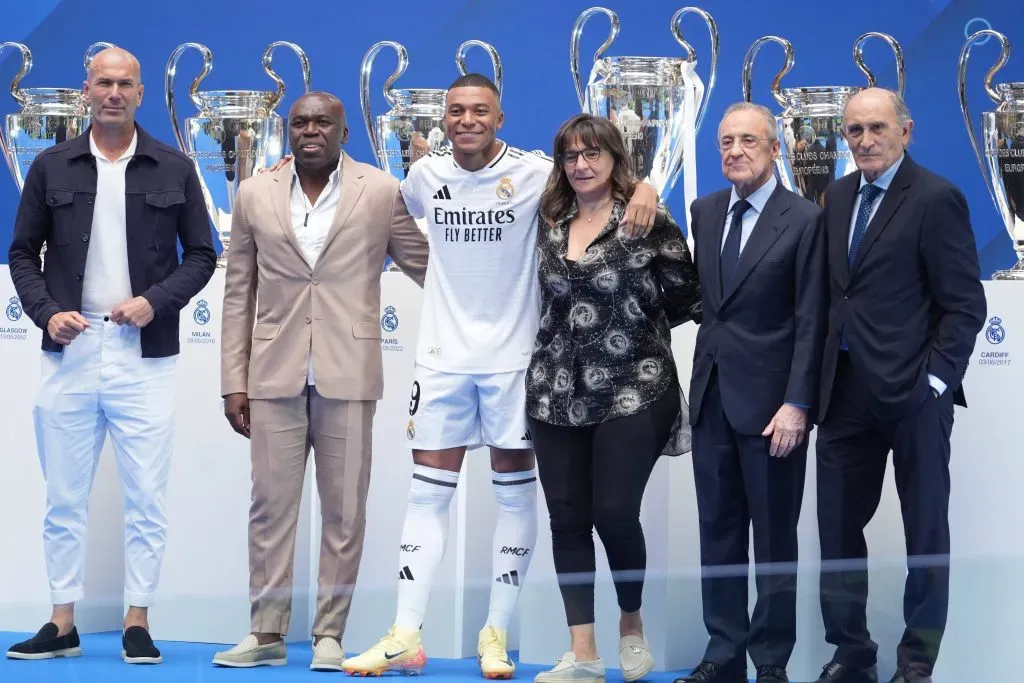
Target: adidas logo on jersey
x=443, y=193
x=527, y=436
x=405, y=574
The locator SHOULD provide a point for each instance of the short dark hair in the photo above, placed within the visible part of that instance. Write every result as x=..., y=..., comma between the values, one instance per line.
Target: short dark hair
x=475, y=80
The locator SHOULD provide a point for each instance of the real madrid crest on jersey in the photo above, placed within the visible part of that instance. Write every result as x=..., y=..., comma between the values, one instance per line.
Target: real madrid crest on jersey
x=995, y=334
x=410, y=431
x=14, y=310
x=506, y=190
x=389, y=321
x=202, y=313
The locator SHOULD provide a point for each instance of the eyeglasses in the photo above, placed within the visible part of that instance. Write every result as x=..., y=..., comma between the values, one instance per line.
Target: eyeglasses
x=591, y=154
x=746, y=142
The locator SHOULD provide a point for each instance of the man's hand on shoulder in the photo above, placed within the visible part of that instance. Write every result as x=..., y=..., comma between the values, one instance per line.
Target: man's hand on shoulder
x=65, y=326
x=277, y=166
x=640, y=213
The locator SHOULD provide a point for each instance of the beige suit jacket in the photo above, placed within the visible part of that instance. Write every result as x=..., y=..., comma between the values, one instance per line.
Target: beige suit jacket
x=278, y=309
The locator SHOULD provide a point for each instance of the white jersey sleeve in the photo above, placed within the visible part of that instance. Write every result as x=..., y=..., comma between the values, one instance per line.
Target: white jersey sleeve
x=411, y=191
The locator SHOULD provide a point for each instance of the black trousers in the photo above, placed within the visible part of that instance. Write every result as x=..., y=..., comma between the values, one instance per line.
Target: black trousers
x=852, y=448
x=594, y=477
x=740, y=484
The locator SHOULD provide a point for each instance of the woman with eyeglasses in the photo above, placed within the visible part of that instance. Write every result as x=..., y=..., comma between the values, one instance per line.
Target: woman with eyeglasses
x=603, y=398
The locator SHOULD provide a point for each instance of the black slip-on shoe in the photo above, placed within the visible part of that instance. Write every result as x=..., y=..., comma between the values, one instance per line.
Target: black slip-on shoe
x=46, y=644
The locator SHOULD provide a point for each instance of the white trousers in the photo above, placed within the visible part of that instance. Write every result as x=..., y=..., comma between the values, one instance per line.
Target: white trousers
x=101, y=383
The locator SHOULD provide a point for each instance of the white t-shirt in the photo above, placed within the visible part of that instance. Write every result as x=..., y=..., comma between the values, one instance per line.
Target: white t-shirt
x=107, y=282
x=481, y=296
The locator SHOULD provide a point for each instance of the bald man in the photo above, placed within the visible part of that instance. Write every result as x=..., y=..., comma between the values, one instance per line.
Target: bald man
x=906, y=305
x=111, y=205
x=301, y=363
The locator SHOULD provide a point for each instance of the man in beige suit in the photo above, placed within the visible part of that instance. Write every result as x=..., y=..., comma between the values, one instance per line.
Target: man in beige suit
x=301, y=362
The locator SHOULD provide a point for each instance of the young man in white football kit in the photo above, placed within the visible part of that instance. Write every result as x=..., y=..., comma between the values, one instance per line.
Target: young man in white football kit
x=480, y=201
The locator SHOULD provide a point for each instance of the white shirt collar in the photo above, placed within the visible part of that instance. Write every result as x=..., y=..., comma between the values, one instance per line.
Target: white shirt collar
x=331, y=182
x=882, y=181
x=128, y=153
x=759, y=197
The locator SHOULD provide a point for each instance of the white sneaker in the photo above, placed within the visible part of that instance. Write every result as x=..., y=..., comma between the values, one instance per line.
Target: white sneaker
x=568, y=670
x=328, y=655
x=635, y=658
x=399, y=650
x=492, y=654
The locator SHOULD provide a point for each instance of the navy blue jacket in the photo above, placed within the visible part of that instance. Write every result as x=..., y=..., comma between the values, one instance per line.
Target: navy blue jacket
x=765, y=334
x=164, y=204
x=912, y=303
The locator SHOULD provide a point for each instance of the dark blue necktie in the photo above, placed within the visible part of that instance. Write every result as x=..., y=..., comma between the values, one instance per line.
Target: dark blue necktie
x=868, y=193
x=731, y=249
x=867, y=198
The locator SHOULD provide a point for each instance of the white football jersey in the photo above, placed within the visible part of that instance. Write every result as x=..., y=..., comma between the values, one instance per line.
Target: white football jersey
x=481, y=303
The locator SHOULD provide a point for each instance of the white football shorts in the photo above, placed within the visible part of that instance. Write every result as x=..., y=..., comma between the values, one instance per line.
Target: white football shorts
x=447, y=410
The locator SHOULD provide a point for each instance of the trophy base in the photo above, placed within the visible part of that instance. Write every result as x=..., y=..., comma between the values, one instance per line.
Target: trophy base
x=1014, y=273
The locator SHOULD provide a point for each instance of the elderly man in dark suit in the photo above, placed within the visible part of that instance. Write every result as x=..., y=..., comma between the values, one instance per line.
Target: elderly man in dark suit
x=905, y=307
x=760, y=253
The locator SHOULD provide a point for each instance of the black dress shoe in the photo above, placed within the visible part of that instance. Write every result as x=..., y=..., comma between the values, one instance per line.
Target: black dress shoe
x=769, y=673
x=712, y=672
x=46, y=644
x=911, y=673
x=834, y=672
x=139, y=647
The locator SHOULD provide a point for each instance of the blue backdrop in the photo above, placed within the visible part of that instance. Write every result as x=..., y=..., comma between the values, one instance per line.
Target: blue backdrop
x=532, y=37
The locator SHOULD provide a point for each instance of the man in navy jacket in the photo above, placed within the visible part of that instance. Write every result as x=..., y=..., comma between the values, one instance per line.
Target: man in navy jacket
x=906, y=305
x=111, y=206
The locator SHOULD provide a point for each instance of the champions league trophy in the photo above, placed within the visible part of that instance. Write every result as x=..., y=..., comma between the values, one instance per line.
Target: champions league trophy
x=234, y=134
x=658, y=103
x=414, y=126
x=48, y=116
x=1003, y=134
x=813, y=149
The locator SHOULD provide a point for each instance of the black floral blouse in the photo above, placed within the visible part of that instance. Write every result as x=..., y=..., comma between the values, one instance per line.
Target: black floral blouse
x=603, y=349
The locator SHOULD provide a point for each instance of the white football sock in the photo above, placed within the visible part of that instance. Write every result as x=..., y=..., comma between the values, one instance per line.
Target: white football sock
x=424, y=536
x=514, y=537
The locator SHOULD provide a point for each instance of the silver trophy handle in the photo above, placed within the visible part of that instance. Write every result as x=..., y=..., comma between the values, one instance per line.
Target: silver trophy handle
x=748, y=68
x=26, y=66
x=19, y=97
x=691, y=54
x=364, y=87
x=268, y=58
x=901, y=69
x=172, y=67
x=574, y=45
x=460, y=60
x=93, y=50
x=1004, y=55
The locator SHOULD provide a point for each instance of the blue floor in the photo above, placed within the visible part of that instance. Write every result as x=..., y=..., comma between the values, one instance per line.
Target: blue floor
x=190, y=663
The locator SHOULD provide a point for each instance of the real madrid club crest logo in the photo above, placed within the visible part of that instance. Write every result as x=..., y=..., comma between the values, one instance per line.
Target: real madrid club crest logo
x=995, y=334
x=14, y=310
x=505, y=189
x=202, y=313
x=389, y=321
x=410, y=431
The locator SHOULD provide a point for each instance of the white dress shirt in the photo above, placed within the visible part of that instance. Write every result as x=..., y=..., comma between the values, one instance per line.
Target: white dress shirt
x=758, y=198
x=882, y=182
x=106, y=281
x=312, y=222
